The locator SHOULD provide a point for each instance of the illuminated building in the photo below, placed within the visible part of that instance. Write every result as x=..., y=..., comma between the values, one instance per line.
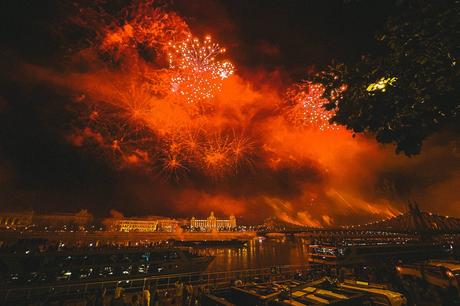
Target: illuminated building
x=146, y=224
x=167, y=225
x=29, y=218
x=212, y=223
x=15, y=219
x=83, y=217
x=131, y=225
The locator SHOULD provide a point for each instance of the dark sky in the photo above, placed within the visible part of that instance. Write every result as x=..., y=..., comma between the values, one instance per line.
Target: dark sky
x=40, y=170
x=288, y=34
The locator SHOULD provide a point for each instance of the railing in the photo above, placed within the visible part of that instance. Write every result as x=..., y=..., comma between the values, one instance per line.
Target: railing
x=210, y=280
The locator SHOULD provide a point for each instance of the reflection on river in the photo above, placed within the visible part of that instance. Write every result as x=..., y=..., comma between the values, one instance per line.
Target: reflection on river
x=258, y=253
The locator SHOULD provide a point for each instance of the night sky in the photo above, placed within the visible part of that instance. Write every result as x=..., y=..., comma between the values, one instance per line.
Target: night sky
x=272, y=45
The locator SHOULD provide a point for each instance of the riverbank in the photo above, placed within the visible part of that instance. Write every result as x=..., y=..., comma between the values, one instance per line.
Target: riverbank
x=123, y=238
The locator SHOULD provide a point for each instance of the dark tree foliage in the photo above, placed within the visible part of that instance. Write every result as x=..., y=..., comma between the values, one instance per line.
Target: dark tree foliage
x=419, y=61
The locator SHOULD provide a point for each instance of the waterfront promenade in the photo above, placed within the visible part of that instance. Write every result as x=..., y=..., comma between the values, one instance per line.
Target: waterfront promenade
x=79, y=293
x=124, y=238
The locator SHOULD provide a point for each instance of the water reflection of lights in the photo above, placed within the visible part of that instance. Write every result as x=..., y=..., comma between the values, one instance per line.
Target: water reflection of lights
x=260, y=254
x=260, y=239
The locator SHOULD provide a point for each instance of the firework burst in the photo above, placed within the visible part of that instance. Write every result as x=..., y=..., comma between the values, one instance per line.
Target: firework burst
x=199, y=75
x=139, y=113
x=128, y=145
x=242, y=148
x=216, y=155
x=173, y=167
x=305, y=107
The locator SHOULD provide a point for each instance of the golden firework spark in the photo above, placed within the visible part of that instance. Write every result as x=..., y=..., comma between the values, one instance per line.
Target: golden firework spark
x=199, y=74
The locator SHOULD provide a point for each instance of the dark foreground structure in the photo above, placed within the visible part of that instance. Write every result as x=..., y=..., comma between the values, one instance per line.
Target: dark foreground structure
x=424, y=283
x=268, y=286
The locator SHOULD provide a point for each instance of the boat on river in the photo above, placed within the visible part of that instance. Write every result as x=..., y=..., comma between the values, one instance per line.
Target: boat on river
x=364, y=252
x=28, y=266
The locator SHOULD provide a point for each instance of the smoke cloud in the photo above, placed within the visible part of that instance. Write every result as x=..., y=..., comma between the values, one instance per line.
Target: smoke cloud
x=104, y=129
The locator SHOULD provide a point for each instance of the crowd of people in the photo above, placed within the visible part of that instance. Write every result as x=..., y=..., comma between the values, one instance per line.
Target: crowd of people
x=181, y=294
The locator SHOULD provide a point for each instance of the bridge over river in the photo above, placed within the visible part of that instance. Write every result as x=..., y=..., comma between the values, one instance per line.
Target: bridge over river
x=414, y=223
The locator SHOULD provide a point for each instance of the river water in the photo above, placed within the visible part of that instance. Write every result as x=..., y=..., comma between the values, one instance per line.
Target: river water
x=259, y=253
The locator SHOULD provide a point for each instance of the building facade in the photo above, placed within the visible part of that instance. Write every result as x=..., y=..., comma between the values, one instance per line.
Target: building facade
x=30, y=218
x=147, y=224
x=168, y=225
x=83, y=217
x=16, y=220
x=212, y=223
x=131, y=225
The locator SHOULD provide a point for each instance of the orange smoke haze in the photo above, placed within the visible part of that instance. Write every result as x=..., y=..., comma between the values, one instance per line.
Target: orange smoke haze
x=233, y=149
